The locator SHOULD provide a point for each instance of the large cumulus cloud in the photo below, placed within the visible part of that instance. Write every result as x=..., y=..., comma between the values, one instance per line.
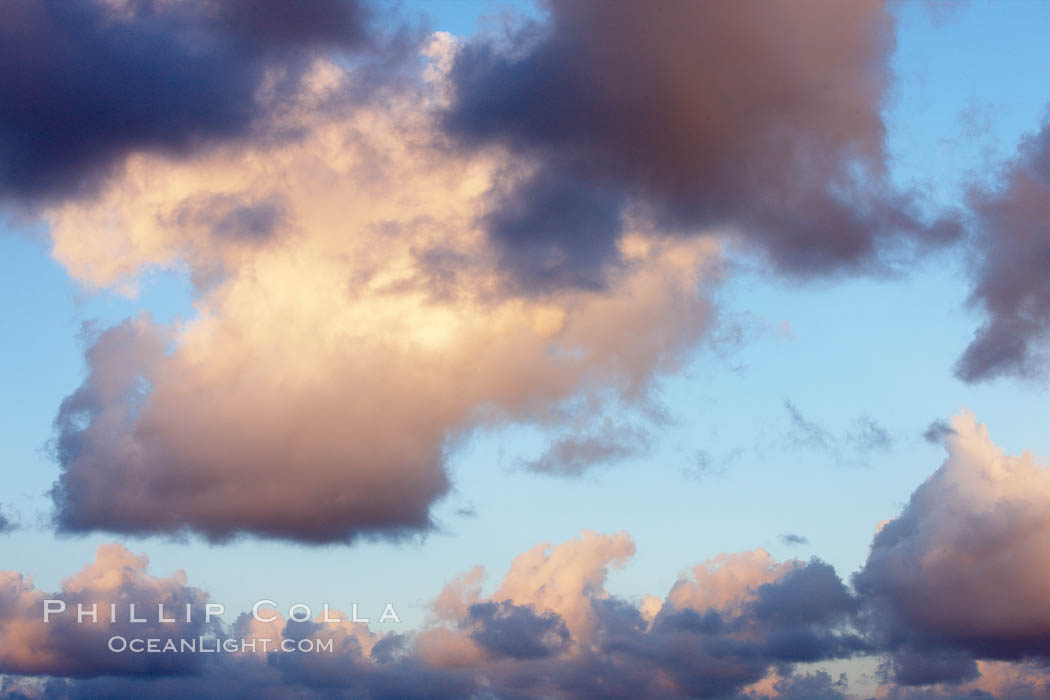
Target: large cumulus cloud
x=352, y=320
x=764, y=117
x=368, y=289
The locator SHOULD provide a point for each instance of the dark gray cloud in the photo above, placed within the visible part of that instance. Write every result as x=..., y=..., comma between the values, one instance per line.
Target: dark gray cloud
x=696, y=653
x=810, y=597
x=793, y=538
x=762, y=117
x=1011, y=249
x=554, y=229
x=83, y=83
x=937, y=431
x=516, y=631
x=913, y=667
x=802, y=617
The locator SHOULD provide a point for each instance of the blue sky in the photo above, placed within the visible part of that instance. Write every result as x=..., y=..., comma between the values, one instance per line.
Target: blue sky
x=969, y=82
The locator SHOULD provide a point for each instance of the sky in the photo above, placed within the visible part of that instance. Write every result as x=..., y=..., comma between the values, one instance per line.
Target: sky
x=684, y=350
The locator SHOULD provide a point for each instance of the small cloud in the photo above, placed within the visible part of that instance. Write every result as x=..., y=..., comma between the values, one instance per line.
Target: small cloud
x=792, y=538
x=6, y=525
x=867, y=435
x=572, y=455
x=937, y=431
x=467, y=511
x=702, y=466
x=805, y=433
x=707, y=466
x=864, y=436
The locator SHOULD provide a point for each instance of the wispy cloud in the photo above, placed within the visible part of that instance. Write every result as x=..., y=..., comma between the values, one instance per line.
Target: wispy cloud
x=864, y=436
x=707, y=466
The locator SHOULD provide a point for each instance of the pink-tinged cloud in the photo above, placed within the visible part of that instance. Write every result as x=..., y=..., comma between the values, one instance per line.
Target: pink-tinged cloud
x=353, y=321
x=365, y=293
x=761, y=117
x=105, y=588
x=960, y=574
x=740, y=626
x=549, y=628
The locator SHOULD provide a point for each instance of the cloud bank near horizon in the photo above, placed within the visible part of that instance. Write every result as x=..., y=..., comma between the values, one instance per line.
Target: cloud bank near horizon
x=950, y=599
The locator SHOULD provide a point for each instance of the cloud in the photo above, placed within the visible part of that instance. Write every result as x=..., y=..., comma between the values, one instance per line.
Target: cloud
x=765, y=119
x=706, y=465
x=64, y=647
x=937, y=431
x=959, y=576
x=351, y=322
x=866, y=435
x=565, y=579
x=807, y=434
x=73, y=660
x=574, y=453
x=735, y=626
x=516, y=631
x=1011, y=288
x=793, y=538
x=818, y=685
x=5, y=524
x=997, y=680
x=86, y=83
x=549, y=629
